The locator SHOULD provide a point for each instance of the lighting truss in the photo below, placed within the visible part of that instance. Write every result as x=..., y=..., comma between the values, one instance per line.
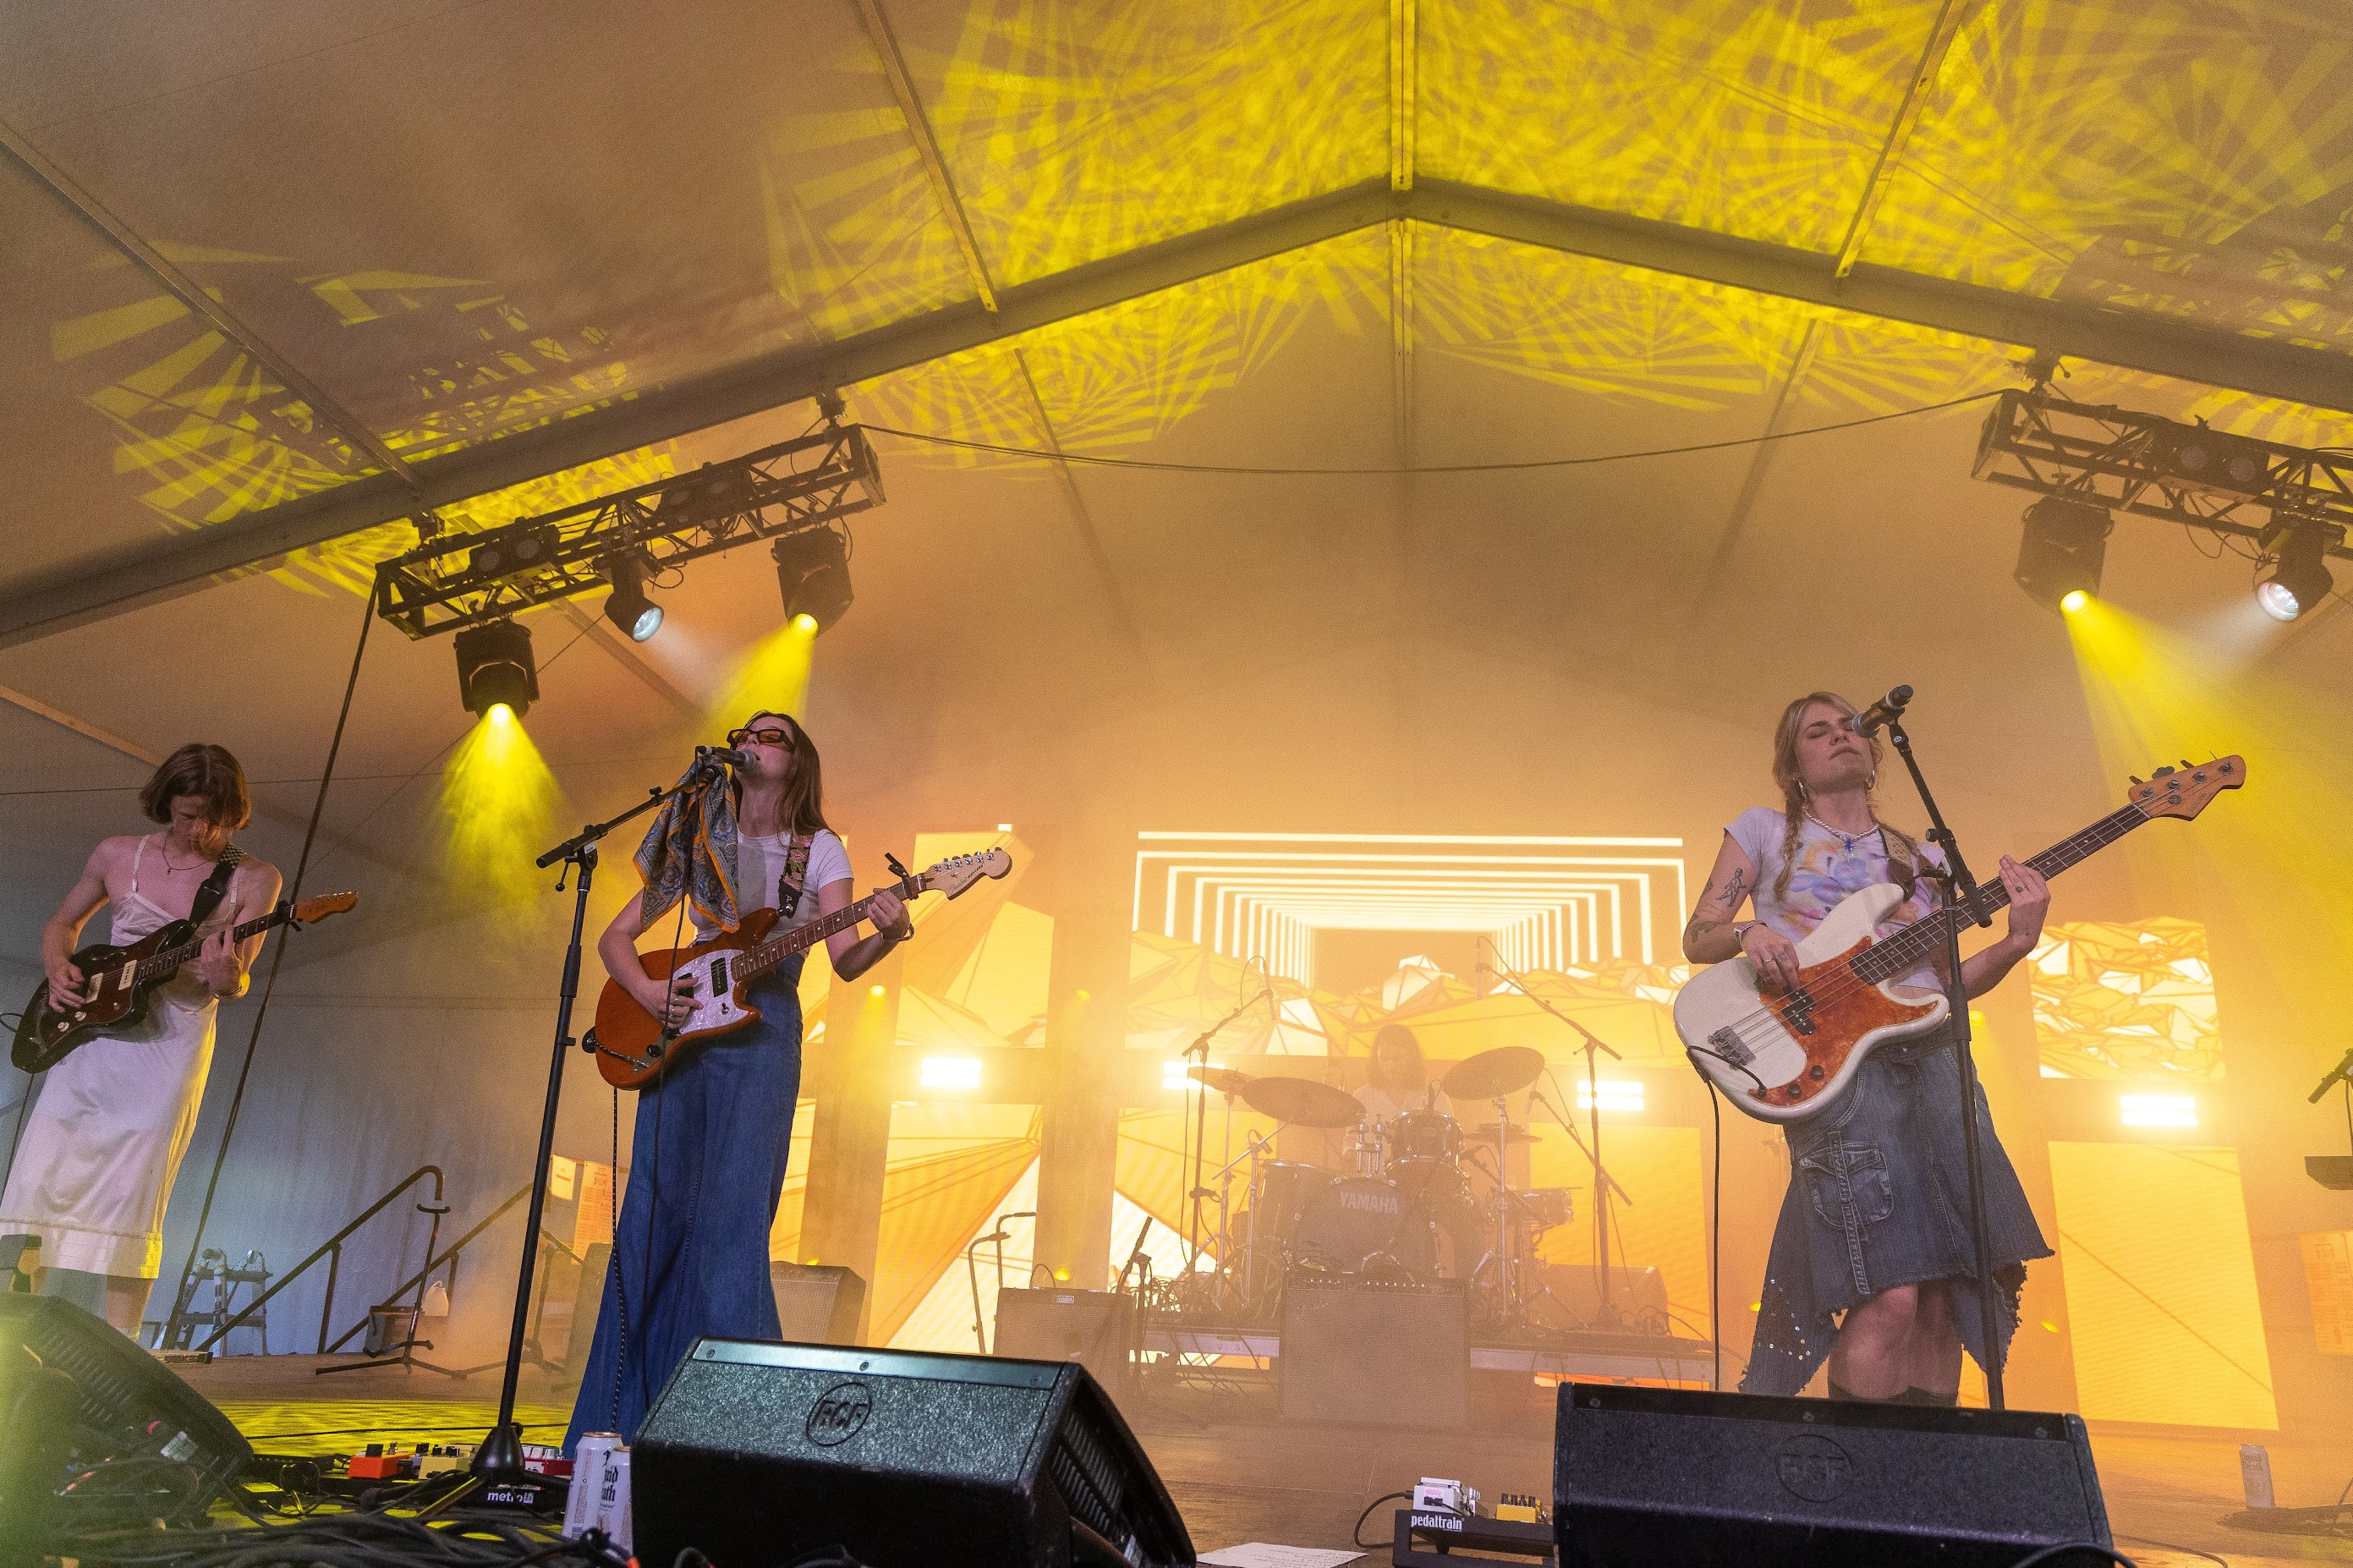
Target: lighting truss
x=2154, y=466
x=797, y=486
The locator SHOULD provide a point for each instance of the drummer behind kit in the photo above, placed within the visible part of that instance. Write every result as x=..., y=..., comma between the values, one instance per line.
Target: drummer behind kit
x=1407, y=1208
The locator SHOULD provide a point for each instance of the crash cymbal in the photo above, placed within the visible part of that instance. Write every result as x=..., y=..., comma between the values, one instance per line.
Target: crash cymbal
x=1485, y=1133
x=1302, y=1102
x=1224, y=1081
x=1491, y=1075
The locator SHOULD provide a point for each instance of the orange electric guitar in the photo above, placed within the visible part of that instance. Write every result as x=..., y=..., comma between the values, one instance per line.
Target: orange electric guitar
x=632, y=1047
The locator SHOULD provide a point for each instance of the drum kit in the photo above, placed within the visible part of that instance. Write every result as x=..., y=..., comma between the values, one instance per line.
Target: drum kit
x=1420, y=1197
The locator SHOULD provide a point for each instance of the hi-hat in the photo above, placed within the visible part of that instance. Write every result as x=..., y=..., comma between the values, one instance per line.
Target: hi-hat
x=1302, y=1102
x=1224, y=1081
x=1491, y=1075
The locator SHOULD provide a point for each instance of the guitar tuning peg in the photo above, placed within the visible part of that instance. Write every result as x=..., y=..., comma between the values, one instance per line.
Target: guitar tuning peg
x=2187, y=764
x=2162, y=773
x=2135, y=777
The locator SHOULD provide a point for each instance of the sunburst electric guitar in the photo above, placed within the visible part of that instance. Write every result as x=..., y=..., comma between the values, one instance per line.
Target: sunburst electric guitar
x=632, y=1047
x=118, y=981
x=1784, y=1055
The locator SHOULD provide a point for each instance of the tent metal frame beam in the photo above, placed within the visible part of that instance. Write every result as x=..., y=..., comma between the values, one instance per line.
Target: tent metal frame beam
x=2268, y=367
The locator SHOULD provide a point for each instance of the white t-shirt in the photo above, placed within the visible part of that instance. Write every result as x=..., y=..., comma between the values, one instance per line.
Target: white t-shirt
x=760, y=869
x=1828, y=867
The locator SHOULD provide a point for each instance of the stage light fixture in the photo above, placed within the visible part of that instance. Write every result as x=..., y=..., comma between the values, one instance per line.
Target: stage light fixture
x=495, y=667
x=513, y=550
x=813, y=575
x=629, y=607
x=2061, y=551
x=2299, y=578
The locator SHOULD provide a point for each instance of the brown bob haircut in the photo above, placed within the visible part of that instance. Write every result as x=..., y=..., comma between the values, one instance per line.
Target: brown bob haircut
x=200, y=770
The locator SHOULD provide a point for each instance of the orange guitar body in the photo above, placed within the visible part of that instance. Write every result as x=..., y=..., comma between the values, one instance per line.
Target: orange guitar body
x=631, y=1048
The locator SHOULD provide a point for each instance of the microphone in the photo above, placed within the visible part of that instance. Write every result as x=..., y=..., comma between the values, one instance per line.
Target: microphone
x=722, y=755
x=1888, y=708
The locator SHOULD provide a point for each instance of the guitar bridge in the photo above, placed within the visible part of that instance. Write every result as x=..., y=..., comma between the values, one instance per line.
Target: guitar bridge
x=1730, y=1046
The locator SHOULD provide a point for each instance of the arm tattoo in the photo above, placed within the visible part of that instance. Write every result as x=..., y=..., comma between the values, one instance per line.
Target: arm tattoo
x=1734, y=890
x=1699, y=928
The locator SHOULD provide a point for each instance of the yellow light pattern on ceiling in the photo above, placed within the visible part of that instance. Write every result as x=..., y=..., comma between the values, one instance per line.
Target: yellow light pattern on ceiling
x=2126, y=1002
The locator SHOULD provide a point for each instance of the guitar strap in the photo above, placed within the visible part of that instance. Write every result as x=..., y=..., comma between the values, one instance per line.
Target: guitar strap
x=216, y=887
x=788, y=886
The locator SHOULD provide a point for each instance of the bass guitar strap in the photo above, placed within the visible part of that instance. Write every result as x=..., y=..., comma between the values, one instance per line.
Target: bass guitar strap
x=795, y=872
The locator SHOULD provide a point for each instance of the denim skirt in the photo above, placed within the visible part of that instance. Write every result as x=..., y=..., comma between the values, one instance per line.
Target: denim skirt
x=1879, y=1197
x=690, y=1250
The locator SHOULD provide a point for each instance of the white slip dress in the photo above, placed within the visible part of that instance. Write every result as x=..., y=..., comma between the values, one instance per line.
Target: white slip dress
x=104, y=1141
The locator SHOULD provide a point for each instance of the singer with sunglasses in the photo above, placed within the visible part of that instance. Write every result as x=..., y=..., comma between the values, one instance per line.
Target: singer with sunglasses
x=691, y=1247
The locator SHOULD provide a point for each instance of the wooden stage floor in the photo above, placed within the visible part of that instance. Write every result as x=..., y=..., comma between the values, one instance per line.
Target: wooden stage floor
x=1239, y=1473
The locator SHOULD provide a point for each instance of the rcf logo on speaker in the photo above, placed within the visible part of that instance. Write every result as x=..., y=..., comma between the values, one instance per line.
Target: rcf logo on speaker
x=1815, y=1468
x=838, y=1413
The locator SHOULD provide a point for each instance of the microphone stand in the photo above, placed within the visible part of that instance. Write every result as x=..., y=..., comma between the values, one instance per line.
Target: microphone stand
x=1602, y=1180
x=500, y=1458
x=1200, y=1108
x=1961, y=894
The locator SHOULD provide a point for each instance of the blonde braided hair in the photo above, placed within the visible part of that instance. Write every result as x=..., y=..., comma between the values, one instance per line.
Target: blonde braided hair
x=1903, y=851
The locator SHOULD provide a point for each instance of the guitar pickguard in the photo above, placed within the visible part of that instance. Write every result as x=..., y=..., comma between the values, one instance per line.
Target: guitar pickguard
x=1828, y=1015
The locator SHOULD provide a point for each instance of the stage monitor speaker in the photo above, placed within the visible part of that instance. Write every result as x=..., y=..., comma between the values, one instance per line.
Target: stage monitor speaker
x=756, y=1454
x=1391, y=1352
x=1090, y=1327
x=1659, y=1475
x=81, y=1403
x=818, y=1303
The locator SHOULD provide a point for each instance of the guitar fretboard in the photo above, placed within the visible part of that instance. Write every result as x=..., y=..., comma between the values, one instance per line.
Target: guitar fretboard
x=171, y=958
x=759, y=960
x=1916, y=944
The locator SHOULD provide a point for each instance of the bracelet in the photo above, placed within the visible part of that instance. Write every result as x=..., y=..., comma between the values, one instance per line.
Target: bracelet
x=1740, y=939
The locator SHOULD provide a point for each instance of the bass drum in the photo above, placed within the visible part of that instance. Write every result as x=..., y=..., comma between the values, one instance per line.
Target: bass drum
x=1347, y=1222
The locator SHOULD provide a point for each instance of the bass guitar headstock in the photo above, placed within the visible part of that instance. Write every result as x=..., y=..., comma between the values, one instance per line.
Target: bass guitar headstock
x=2183, y=792
x=325, y=904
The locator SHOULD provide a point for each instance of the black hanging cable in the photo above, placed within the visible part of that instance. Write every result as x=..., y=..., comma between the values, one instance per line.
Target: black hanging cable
x=1716, y=1234
x=294, y=891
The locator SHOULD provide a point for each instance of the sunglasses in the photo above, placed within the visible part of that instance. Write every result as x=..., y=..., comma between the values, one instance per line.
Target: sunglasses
x=764, y=737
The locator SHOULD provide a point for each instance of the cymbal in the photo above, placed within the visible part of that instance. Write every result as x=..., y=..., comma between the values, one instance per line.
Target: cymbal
x=1485, y=1133
x=1303, y=1101
x=1491, y=1075
x=1224, y=1081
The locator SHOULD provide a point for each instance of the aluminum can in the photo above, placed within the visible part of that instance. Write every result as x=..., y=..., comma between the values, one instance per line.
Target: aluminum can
x=582, y=1503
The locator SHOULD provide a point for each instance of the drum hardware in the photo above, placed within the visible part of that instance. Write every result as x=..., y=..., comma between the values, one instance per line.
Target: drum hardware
x=1604, y=1185
x=1197, y=1112
x=1497, y=1075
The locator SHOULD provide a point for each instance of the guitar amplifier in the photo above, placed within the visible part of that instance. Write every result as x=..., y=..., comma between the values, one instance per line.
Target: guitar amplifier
x=759, y=1454
x=1389, y=1352
x=818, y=1303
x=1093, y=1327
x=1663, y=1475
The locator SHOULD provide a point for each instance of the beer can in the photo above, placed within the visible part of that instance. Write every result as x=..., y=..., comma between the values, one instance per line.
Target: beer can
x=2256, y=1475
x=581, y=1504
x=613, y=1501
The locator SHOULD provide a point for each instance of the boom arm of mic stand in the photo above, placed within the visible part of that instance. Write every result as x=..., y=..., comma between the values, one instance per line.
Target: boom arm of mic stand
x=1956, y=869
x=2335, y=1075
x=1595, y=1041
x=595, y=831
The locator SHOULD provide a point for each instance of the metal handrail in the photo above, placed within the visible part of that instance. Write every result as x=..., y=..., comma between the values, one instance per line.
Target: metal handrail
x=448, y=1256
x=332, y=1248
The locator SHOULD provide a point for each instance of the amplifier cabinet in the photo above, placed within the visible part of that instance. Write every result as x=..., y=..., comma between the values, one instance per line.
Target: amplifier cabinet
x=1391, y=1352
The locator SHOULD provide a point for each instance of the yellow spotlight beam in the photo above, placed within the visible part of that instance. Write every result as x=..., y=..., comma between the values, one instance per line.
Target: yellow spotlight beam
x=498, y=806
x=774, y=676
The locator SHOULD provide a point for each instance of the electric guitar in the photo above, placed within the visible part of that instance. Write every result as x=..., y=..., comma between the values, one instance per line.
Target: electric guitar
x=632, y=1047
x=119, y=981
x=1784, y=1055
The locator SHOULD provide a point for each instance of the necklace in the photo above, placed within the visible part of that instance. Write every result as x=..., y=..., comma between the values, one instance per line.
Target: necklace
x=1846, y=840
x=163, y=853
